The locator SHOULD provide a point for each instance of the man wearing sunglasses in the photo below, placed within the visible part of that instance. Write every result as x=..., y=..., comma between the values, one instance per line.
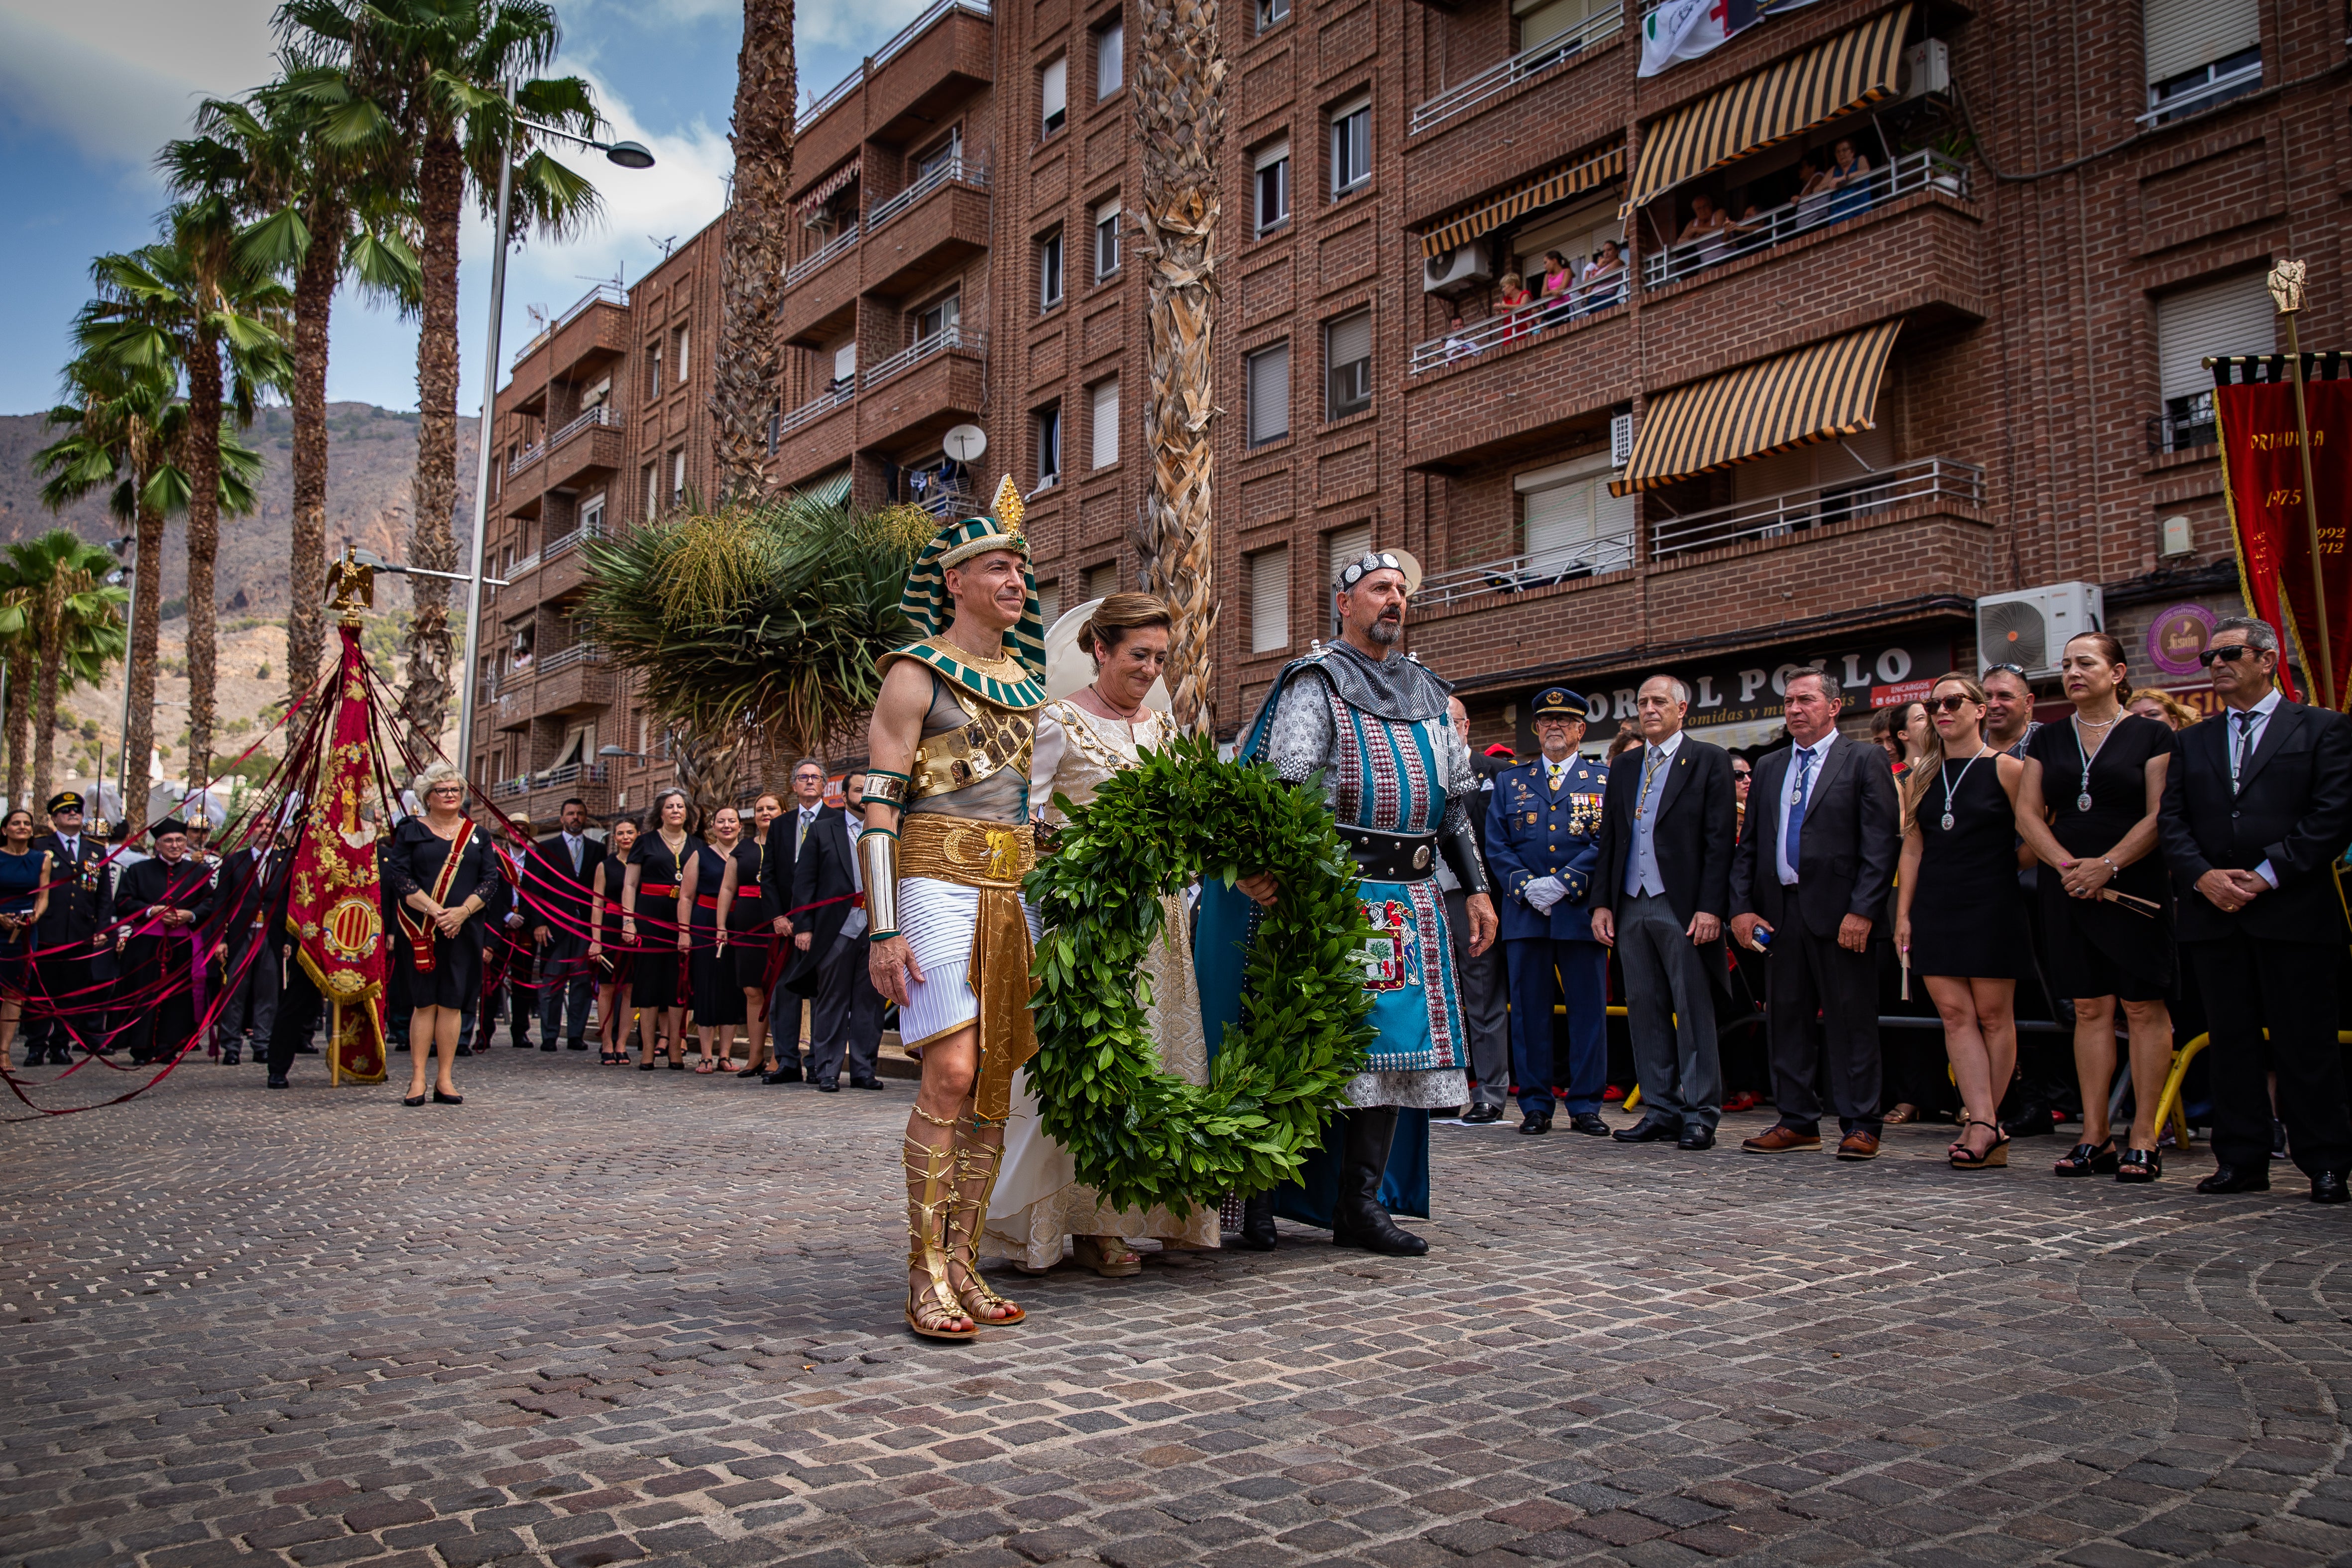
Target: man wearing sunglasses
x=2257, y=810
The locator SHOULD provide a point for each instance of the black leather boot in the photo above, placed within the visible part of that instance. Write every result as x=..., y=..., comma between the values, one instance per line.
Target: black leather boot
x=1358, y=1219
x=1258, y=1223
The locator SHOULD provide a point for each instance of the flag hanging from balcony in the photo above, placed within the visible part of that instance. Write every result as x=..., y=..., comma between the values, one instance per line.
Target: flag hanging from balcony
x=2261, y=478
x=1679, y=30
x=334, y=909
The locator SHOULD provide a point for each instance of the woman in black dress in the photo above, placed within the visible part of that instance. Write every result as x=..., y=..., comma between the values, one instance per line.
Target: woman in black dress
x=1958, y=919
x=445, y=873
x=718, y=1003
x=2087, y=809
x=746, y=915
x=608, y=954
x=654, y=923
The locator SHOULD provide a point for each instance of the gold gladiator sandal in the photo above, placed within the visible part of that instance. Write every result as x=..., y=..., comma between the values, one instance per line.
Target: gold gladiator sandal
x=931, y=1307
x=977, y=1165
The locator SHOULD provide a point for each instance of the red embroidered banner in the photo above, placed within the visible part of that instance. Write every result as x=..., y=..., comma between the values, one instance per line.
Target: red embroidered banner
x=335, y=910
x=2262, y=474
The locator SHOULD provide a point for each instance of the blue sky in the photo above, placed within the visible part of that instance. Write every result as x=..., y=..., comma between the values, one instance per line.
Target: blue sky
x=90, y=89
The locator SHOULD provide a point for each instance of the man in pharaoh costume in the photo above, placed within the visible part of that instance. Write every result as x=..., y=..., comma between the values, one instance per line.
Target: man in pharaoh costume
x=947, y=841
x=1372, y=722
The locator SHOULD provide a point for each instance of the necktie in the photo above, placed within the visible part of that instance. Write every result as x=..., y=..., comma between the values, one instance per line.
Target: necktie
x=2246, y=722
x=801, y=836
x=1797, y=811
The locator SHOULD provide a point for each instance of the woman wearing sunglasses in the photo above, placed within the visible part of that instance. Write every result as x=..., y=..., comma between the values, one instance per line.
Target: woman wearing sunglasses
x=2087, y=810
x=1959, y=921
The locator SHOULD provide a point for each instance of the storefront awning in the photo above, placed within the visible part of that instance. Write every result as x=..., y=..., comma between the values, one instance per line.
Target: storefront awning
x=825, y=190
x=1851, y=71
x=1543, y=191
x=1814, y=394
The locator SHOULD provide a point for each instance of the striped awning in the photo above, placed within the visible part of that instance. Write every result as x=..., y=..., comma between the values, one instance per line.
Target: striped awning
x=825, y=190
x=1543, y=191
x=1849, y=71
x=1814, y=394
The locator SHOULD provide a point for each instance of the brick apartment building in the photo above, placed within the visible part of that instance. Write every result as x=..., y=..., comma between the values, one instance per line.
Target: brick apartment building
x=1820, y=433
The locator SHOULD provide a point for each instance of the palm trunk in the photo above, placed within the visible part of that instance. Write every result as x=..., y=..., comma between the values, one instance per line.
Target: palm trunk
x=146, y=612
x=20, y=720
x=1179, y=122
x=752, y=264
x=706, y=771
x=314, y=297
x=50, y=636
x=425, y=702
x=204, y=549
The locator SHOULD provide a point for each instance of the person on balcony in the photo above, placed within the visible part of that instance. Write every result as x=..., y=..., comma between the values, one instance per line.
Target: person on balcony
x=1709, y=228
x=1559, y=287
x=1849, y=175
x=1815, y=188
x=1516, y=301
x=1604, y=280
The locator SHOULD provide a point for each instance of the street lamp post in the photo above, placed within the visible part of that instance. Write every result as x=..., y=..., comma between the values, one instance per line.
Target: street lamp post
x=628, y=155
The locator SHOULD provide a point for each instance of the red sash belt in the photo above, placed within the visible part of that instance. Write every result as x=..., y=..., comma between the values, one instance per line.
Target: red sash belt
x=647, y=892
x=706, y=900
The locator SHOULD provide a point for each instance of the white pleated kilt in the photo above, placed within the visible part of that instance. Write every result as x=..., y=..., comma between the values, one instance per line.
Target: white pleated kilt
x=938, y=920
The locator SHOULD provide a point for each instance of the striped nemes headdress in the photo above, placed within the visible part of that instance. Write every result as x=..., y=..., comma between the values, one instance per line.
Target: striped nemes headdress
x=925, y=602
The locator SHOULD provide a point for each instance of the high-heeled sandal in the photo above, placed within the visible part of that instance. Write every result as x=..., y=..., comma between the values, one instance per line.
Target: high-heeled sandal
x=977, y=1165
x=2088, y=1160
x=1903, y=1115
x=2138, y=1165
x=932, y=1310
x=1994, y=1157
x=1089, y=1252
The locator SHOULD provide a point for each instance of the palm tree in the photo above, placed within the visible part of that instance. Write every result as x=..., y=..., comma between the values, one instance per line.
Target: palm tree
x=76, y=624
x=440, y=69
x=763, y=618
x=190, y=305
x=312, y=153
x=750, y=367
x=1179, y=115
x=17, y=657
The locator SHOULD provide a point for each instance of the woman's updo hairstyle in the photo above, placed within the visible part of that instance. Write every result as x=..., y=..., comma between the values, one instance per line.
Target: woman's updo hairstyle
x=1118, y=614
x=2110, y=650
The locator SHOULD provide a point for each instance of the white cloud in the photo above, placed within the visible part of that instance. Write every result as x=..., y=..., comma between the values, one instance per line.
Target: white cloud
x=120, y=78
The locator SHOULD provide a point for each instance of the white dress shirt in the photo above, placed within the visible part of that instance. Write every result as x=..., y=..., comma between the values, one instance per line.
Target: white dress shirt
x=856, y=924
x=577, y=844
x=1807, y=759
x=2241, y=751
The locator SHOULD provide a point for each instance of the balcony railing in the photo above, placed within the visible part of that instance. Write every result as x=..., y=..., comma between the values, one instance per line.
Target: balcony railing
x=971, y=171
x=887, y=53
x=516, y=568
x=817, y=407
x=2246, y=78
x=2185, y=422
x=1921, y=480
x=578, y=653
x=602, y=293
x=1926, y=169
x=571, y=541
x=947, y=501
x=525, y=458
x=1475, y=338
x=833, y=248
x=1518, y=573
x=604, y=414
x=970, y=340
x=1506, y=74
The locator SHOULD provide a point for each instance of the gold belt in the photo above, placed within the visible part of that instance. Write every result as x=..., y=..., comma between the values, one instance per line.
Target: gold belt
x=965, y=851
x=992, y=856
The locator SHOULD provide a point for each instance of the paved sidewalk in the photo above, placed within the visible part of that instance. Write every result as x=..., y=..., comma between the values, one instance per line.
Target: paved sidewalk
x=597, y=1316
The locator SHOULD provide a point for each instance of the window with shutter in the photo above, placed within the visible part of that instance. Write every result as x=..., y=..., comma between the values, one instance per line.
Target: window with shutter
x=1105, y=240
x=1345, y=545
x=1272, y=13
x=1102, y=580
x=677, y=476
x=2182, y=34
x=1269, y=393
x=1351, y=146
x=1269, y=586
x=1049, y=445
x=1272, y=187
x=844, y=364
x=1105, y=424
x=1049, y=271
x=679, y=339
x=1569, y=525
x=1541, y=21
x=2232, y=317
x=653, y=490
x=1049, y=601
x=1348, y=364
x=1054, y=94
x=1110, y=63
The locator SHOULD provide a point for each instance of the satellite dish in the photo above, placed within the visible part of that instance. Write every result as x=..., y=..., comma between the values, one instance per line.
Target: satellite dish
x=965, y=443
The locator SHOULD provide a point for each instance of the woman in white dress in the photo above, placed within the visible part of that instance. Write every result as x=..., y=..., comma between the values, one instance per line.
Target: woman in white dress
x=1084, y=736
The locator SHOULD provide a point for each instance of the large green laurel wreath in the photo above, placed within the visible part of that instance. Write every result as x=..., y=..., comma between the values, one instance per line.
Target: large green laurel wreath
x=1140, y=1136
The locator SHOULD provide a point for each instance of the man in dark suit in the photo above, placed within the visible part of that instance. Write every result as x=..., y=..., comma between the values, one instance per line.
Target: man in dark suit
x=71, y=937
x=1815, y=863
x=1668, y=835
x=163, y=903
x=2257, y=811
x=795, y=826
x=1479, y=980
x=829, y=967
x=558, y=879
x=1543, y=843
x=248, y=891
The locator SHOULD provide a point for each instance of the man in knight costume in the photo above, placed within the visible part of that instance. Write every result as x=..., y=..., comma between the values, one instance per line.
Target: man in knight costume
x=947, y=842
x=1372, y=722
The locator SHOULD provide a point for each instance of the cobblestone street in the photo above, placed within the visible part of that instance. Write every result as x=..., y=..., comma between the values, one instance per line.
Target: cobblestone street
x=595, y=1316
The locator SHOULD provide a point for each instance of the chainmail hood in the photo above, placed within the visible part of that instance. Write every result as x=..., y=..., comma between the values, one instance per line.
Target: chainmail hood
x=1399, y=686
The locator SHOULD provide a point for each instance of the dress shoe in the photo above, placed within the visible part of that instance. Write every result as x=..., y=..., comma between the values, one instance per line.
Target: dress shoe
x=1649, y=1129
x=1781, y=1139
x=1696, y=1138
x=827, y=1086
x=1536, y=1124
x=1258, y=1223
x=1483, y=1115
x=548, y=1046
x=1858, y=1146
x=575, y=1045
x=1588, y=1123
x=865, y=1083
x=2241, y=1179
x=1445, y=1113
x=1743, y=1100
x=2327, y=1187
x=441, y=1098
x=278, y=1080
x=463, y=1050
x=782, y=1075
x=228, y=1055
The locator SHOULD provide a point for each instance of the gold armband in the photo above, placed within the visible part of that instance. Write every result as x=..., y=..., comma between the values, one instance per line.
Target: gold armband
x=884, y=789
x=877, y=862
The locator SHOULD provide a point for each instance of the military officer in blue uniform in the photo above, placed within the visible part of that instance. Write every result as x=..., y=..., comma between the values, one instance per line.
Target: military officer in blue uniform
x=1543, y=845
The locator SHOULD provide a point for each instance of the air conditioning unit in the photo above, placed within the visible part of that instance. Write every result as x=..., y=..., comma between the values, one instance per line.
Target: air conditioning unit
x=1928, y=69
x=2030, y=627
x=1458, y=270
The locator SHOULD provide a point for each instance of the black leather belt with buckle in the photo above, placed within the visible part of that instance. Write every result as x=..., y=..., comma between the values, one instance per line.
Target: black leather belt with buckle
x=1390, y=857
